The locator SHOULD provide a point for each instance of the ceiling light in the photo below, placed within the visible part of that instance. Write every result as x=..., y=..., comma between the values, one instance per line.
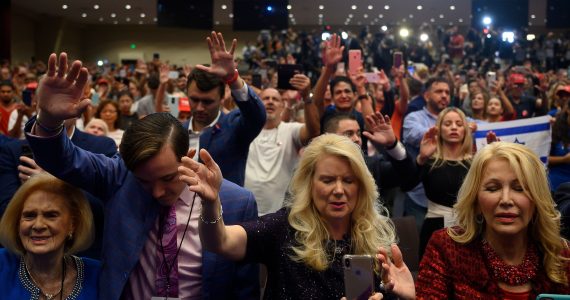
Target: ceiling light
x=64, y=6
x=113, y=15
x=380, y=16
x=432, y=20
x=404, y=32
x=155, y=19
x=217, y=22
x=128, y=6
x=84, y=15
x=289, y=6
x=370, y=7
x=344, y=35
x=101, y=19
x=411, y=16
x=224, y=6
x=232, y=16
x=95, y=6
x=530, y=37
x=424, y=37
x=441, y=16
x=386, y=7
x=353, y=7
x=452, y=7
x=420, y=7
x=384, y=27
x=365, y=16
x=320, y=15
x=140, y=22
x=460, y=20
x=115, y=22
x=350, y=15
x=143, y=15
x=532, y=16
x=128, y=19
x=321, y=7
x=487, y=20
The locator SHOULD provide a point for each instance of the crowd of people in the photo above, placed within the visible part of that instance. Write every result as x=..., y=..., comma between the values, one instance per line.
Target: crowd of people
x=215, y=182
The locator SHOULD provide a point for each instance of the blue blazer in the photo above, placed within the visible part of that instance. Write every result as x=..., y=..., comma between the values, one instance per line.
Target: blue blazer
x=130, y=214
x=228, y=141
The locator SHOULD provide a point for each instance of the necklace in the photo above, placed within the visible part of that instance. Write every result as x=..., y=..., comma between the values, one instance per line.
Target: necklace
x=48, y=295
x=512, y=275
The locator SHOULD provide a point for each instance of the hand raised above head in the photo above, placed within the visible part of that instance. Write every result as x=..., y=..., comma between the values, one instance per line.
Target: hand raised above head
x=381, y=131
x=333, y=51
x=223, y=64
x=204, y=179
x=59, y=92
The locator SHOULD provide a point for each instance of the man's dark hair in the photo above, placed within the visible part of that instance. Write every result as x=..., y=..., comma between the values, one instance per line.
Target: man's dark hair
x=331, y=125
x=153, y=82
x=146, y=137
x=340, y=79
x=6, y=83
x=435, y=80
x=415, y=86
x=125, y=93
x=206, y=81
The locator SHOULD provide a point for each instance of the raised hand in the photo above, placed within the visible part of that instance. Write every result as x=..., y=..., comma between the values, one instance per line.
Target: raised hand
x=222, y=60
x=359, y=81
x=301, y=83
x=333, y=51
x=204, y=179
x=59, y=92
x=396, y=276
x=492, y=137
x=384, y=81
x=164, y=70
x=428, y=145
x=381, y=131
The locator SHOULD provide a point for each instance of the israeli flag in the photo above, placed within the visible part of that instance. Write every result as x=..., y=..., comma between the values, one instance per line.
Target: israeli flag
x=533, y=133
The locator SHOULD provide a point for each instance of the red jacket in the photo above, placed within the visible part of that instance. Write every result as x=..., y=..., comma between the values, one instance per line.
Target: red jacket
x=450, y=270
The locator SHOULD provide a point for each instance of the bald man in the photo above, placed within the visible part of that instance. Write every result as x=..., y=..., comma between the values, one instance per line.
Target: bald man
x=274, y=153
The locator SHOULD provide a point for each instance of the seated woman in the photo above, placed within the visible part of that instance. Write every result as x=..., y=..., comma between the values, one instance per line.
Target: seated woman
x=444, y=159
x=334, y=212
x=97, y=127
x=508, y=243
x=47, y=221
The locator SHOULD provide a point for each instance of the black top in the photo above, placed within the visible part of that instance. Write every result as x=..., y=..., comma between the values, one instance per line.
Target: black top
x=441, y=184
x=269, y=241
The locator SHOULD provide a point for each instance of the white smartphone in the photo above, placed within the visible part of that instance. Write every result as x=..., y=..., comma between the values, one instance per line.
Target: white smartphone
x=372, y=77
x=173, y=105
x=173, y=75
x=358, y=276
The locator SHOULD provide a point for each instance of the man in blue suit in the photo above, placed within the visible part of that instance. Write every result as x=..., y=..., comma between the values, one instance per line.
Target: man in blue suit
x=14, y=170
x=137, y=185
x=225, y=136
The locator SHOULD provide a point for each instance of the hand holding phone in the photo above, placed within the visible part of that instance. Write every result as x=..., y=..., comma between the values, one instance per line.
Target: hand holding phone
x=285, y=73
x=398, y=59
x=358, y=276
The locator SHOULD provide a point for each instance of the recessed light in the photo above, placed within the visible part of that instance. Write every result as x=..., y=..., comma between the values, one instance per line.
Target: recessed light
x=113, y=15
x=411, y=16
x=441, y=16
x=140, y=22
x=224, y=6
x=128, y=19
x=231, y=16
x=370, y=7
x=320, y=15
x=420, y=7
x=460, y=20
x=155, y=19
x=84, y=15
x=217, y=22
x=386, y=7
x=95, y=6
x=101, y=19
x=64, y=6
x=289, y=6
x=380, y=16
x=432, y=20
x=365, y=16
x=384, y=27
x=353, y=7
x=143, y=15
x=115, y=22
x=452, y=7
x=532, y=16
x=321, y=7
x=128, y=6
x=350, y=15
x=290, y=15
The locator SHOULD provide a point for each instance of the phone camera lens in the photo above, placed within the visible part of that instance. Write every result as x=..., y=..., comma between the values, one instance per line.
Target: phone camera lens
x=347, y=263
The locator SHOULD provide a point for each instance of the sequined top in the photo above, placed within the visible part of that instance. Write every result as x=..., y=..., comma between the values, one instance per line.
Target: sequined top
x=450, y=270
x=270, y=240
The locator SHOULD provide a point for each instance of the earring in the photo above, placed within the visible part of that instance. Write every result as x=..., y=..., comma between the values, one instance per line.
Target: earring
x=479, y=219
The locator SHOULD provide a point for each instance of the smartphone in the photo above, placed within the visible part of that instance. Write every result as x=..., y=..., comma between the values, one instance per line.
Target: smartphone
x=340, y=67
x=123, y=73
x=411, y=70
x=553, y=297
x=27, y=97
x=256, y=80
x=285, y=73
x=358, y=276
x=354, y=61
x=173, y=105
x=173, y=75
x=27, y=151
x=95, y=99
x=398, y=59
x=491, y=77
x=372, y=77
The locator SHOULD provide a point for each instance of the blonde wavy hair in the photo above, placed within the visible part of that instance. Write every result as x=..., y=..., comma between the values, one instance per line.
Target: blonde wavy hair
x=531, y=173
x=369, y=228
x=467, y=145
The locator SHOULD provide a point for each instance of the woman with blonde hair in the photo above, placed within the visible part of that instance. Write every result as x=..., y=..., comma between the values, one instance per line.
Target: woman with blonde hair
x=507, y=244
x=334, y=212
x=444, y=159
x=45, y=223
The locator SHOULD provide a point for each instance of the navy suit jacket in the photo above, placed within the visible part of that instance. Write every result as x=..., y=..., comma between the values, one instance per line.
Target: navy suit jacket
x=228, y=141
x=130, y=214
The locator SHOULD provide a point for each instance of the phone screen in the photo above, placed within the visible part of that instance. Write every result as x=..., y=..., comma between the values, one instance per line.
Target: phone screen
x=354, y=61
x=256, y=80
x=285, y=73
x=398, y=56
x=27, y=97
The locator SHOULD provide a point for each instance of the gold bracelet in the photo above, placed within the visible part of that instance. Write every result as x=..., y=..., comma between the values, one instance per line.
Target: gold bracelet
x=216, y=220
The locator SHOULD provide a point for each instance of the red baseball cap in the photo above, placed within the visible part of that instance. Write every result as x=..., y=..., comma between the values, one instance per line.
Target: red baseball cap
x=516, y=78
x=564, y=88
x=183, y=104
